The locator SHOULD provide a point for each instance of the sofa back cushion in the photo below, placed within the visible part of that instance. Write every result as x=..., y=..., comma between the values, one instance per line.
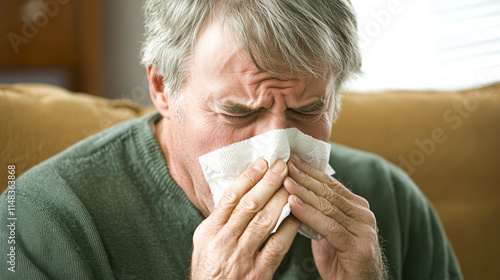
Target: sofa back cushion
x=449, y=143
x=39, y=121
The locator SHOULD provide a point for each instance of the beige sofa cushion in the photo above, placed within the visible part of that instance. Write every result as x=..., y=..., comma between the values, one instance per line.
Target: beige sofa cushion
x=39, y=121
x=449, y=142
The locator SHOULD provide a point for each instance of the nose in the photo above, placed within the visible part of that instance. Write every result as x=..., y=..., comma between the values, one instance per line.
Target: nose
x=271, y=122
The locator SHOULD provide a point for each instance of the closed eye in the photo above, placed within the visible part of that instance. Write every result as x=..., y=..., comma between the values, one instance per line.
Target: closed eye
x=239, y=119
x=303, y=116
x=289, y=113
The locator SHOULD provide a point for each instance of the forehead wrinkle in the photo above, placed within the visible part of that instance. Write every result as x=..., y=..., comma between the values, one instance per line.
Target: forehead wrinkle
x=253, y=76
x=248, y=101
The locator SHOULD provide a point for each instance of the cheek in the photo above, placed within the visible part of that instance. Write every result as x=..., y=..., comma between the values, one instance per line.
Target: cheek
x=320, y=130
x=326, y=129
x=211, y=135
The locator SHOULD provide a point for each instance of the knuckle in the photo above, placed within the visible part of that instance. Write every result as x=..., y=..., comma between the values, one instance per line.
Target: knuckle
x=249, y=203
x=338, y=187
x=325, y=177
x=346, y=205
x=263, y=220
x=336, y=231
x=250, y=177
x=276, y=246
x=351, y=210
x=203, y=227
x=229, y=197
x=373, y=232
x=326, y=207
x=357, y=214
x=363, y=202
x=333, y=181
x=328, y=193
x=333, y=227
x=305, y=179
x=331, y=197
x=198, y=236
x=309, y=169
x=370, y=219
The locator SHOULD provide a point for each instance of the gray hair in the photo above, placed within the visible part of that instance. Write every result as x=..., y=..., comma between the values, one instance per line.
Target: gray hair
x=296, y=36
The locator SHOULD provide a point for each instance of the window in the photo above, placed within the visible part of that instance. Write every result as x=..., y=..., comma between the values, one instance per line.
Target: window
x=428, y=44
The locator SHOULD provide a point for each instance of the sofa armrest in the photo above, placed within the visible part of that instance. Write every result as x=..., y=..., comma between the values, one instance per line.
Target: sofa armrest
x=39, y=121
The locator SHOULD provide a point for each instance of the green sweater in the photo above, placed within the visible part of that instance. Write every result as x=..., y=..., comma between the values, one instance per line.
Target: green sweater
x=107, y=208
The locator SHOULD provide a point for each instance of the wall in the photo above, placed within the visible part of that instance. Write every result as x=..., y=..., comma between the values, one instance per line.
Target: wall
x=123, y=76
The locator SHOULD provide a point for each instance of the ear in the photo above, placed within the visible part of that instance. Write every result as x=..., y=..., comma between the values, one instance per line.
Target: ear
x=159, y=95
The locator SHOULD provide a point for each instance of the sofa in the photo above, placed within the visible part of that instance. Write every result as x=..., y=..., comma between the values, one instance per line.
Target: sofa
x=448, y=142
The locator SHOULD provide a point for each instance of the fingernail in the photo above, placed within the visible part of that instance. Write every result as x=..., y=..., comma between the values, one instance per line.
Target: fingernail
x=298, y=200
x=294, y=182
x=294, y=167
x=260, y=165
x=295, y=158
x=278, y=166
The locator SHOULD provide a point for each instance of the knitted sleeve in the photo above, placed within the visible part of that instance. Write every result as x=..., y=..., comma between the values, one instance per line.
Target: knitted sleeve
x=426, y=252
x=47, y=233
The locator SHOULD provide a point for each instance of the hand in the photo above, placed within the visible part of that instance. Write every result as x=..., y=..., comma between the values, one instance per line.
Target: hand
x=226, y=245
x=350, y=249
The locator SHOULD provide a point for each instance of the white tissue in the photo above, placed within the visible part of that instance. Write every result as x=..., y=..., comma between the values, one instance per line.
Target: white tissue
x=221, y=167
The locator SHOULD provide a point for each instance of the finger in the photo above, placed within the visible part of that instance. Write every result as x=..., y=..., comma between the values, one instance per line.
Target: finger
x=263, y=223
x=328, y=180
x=322, y=184
x=248, y=179
x=331, y=202
x=300, y=180
x=320, y=203
x=334, y=232
x=256, y=198
x=277, y=246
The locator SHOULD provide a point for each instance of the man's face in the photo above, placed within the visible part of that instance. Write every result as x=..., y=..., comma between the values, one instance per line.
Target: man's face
x=226, y=99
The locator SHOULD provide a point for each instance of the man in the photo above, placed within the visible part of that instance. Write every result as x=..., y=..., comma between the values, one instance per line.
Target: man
x=133, y=203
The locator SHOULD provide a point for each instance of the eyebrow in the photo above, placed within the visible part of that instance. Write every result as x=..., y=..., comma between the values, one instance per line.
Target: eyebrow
x=236, y=108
